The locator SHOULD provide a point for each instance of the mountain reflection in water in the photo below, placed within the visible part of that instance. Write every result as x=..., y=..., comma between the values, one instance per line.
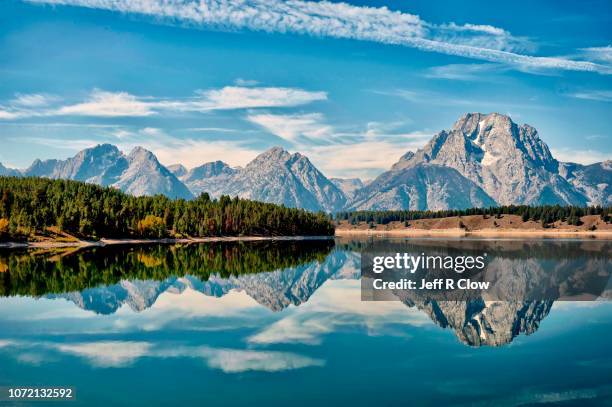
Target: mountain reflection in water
x=282, y=273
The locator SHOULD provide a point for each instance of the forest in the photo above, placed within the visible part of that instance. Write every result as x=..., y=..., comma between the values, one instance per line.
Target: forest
x=34, y=206
x=545, y=214
x=42, y=272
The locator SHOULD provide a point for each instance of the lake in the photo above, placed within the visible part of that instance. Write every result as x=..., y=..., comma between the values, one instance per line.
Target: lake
x=283, y=323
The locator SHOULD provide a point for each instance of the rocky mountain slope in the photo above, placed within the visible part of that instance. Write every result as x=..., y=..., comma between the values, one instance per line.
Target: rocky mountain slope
x=508, y=162
x=274, y=176
x=483, y=160
x=144, y=175
x=348, y=185
x=139, y=173
x=421, y=187
x=210, y=177
x=593, y=181
x=8, y=172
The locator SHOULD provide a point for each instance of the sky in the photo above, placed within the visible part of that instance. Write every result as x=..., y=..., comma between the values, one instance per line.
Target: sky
x=352, y=85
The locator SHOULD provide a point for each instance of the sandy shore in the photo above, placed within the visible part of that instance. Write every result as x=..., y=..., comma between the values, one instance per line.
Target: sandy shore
x=110, y=242
x=455, y=233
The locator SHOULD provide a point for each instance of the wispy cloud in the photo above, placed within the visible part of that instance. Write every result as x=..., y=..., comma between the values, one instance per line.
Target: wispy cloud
x=102, y=103
x=598, y=95
x=342, y=20
x=107, y=354
x=464, y=72
x=189, y=151
x=107, y=104
x=362, y=159
x=121, y=354
x=362, y=152
x=294, y=126
x=603, y=54
x=579, y=156
x=33, y=99
x=236, y=97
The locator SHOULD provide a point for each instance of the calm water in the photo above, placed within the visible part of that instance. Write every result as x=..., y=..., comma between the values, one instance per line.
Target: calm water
x=283, y=324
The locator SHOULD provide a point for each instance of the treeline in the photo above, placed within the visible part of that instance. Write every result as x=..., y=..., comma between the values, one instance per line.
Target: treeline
x=545, y=214
x=30, y=206
x=39, y=273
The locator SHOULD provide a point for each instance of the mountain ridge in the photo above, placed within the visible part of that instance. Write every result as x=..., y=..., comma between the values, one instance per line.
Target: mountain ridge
x=482, y=160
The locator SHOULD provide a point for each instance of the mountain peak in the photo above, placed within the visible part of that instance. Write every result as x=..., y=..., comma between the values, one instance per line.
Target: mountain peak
x=141, y=152
x=474, y=125
x=274, y=154
x=178, y=170
x=509, y=162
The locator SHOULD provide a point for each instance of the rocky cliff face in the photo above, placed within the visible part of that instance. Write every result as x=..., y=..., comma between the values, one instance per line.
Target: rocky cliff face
x=275, y=290
x=484, y=159
x=420, y=187
x=348, y=186
x=144, y=175
x=593, y=181
x=510, y=163
x=478, y=323
x=280, y=177
x=139, y=173
x=210, y=177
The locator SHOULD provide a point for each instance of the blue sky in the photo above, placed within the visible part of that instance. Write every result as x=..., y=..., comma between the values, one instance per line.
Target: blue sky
x=351, y=85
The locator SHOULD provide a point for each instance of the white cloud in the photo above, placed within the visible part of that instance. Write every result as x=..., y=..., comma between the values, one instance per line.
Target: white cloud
x=362, y=158
x=580, y=156
x=337, y=304
x=8, y=115
x=188, y=151
x=107, y=354
x=482, y=36
x=342, y=20
x=603, y=54
x=597, y=95
x=102, y=103
x=596, y=137
x=463, y=72
x=237, y=361
x=192, y=153
x=237, y=97
x=33, y=99
x=293, y=126
x=5, y=343
x=107, y=104
x=361, y=153
x=118, y=354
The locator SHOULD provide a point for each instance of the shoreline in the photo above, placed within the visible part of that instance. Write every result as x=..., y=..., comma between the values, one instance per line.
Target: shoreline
x=115, y=242
x=340, y=233
x=457, y=233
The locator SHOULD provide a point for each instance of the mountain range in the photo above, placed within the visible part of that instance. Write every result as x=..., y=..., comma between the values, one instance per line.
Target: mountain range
x=483, y=160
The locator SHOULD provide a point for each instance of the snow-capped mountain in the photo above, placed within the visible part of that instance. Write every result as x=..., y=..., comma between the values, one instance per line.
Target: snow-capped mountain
x=139, y=173
x=274, y=176
x=509, y=163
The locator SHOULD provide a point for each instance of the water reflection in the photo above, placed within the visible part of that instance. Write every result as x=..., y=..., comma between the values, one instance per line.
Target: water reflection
x=237, y=278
